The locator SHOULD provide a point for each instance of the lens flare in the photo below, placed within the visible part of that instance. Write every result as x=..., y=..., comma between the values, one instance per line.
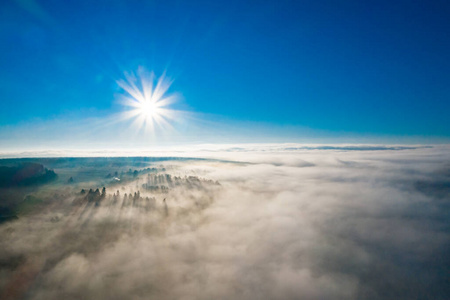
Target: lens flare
x=147, y=101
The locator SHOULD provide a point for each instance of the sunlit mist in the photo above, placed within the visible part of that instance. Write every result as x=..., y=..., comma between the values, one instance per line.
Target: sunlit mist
x=147, y=100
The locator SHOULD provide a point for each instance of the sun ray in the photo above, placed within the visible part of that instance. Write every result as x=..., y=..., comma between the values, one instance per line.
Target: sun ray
x=147, y=103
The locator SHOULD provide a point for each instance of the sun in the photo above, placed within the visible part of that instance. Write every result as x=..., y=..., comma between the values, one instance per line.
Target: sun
x=146, y=100
x=149, y=109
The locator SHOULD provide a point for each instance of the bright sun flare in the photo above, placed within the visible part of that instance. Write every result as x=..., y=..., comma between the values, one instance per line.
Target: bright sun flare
x=147, y=100
x=149, y=108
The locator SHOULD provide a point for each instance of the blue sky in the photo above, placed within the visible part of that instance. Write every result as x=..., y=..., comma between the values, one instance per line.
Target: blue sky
x=376, y=68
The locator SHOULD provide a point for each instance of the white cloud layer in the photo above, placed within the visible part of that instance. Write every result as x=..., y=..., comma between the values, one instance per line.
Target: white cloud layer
x=285, y=223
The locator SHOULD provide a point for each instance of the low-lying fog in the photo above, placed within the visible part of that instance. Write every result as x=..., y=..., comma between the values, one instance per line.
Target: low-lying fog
x=292, y=223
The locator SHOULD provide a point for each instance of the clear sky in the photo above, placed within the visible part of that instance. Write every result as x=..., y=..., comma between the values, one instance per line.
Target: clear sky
x=360, y=67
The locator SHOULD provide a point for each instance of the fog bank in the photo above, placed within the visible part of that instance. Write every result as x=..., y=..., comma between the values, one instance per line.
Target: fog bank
x=256, y=224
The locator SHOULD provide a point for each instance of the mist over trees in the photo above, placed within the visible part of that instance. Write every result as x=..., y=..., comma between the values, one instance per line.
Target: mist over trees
x=163, y=182
x=339, y=225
